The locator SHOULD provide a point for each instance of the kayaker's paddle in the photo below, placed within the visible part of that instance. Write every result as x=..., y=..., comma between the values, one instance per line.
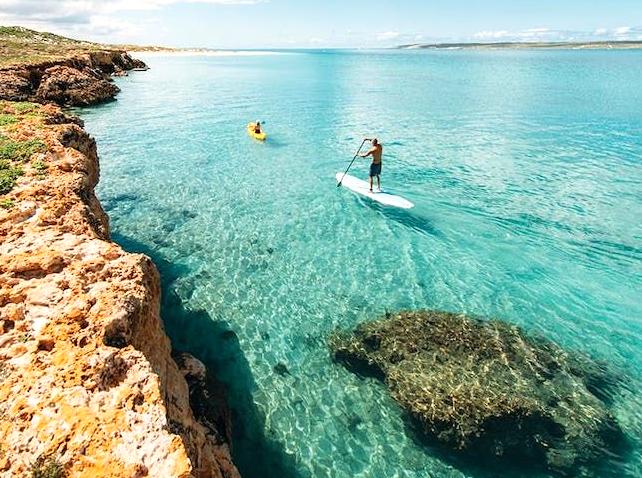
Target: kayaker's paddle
x=355, y=157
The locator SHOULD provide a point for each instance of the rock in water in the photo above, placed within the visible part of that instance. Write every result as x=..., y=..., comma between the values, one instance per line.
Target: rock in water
x=484, y=388
x=281, y=369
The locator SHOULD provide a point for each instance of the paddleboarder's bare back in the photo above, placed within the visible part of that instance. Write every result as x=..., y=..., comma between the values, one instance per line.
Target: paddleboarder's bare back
x=375, y=168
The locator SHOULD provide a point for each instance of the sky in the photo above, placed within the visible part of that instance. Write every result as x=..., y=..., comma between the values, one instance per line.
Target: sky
x=326, y=23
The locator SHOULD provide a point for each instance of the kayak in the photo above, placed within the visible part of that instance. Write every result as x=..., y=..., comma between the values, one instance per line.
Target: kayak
x=260, y=136
x=382, y=197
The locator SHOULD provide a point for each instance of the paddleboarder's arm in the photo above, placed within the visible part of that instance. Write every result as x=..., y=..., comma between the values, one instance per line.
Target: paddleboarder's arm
x=369, y=153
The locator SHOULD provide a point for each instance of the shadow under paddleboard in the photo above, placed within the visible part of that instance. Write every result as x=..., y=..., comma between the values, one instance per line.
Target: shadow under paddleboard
x=406, y=217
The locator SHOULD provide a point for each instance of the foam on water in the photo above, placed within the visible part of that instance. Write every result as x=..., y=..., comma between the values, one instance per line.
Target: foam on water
x=526, y=174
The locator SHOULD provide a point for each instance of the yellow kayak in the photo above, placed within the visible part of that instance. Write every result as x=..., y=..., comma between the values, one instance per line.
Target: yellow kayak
x=260, y=136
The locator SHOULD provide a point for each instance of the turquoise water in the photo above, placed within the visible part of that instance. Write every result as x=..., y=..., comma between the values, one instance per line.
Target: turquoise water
x=526, y=172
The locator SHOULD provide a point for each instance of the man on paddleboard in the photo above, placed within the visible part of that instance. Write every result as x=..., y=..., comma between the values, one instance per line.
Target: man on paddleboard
x=375, y=168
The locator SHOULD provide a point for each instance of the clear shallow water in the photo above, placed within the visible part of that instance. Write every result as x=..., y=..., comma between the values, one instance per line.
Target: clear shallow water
x=526, y=170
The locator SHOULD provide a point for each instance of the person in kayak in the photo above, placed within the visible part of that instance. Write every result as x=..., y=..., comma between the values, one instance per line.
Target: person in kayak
x=257, y=127
x=375, y=168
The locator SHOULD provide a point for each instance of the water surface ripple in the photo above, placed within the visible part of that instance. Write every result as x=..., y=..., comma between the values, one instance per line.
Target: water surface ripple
x=527, y=175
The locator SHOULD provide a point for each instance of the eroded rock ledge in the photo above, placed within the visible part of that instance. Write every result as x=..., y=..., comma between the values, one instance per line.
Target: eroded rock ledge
x=87, y=380
x=80, y=81
x=488, y=390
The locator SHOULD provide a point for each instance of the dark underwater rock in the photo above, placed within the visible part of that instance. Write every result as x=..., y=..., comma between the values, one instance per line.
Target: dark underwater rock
x=485, y=388
x=281, y=369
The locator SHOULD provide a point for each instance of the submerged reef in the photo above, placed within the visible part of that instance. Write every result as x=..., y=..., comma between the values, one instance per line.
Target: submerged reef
x=487, y=389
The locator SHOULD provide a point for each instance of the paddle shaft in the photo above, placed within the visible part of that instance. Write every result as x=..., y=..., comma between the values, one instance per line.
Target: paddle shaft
x=355, y=157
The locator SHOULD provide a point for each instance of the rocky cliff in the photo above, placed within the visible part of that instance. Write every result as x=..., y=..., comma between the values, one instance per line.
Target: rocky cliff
x=88, y=386
x=76, y=81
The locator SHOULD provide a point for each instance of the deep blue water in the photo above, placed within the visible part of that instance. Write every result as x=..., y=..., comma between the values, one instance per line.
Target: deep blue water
x=526, y=169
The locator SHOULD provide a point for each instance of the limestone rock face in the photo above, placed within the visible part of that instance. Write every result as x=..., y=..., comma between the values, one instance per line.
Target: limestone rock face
x=80, y=81
x=86, y=373
x=114, y=61
x=14, y=87
x=486, y=389
x=65, y=85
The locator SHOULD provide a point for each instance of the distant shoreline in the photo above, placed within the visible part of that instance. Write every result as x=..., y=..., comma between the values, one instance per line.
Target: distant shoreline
x=601, y=45
x=201, y=52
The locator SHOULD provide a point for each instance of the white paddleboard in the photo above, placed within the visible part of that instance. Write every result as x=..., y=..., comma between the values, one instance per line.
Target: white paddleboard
x=363, y=188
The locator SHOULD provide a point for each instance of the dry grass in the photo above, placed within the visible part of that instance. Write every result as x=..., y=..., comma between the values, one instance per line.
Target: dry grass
x=19, y=46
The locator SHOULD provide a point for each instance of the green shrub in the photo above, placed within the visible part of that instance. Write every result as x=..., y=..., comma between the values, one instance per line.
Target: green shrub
x=47, y=468
x=7, y=203
x=7, y=182
x=20, y=150
x=40, y=165
x=6, y=119
x=8, y=176
x=24, y=107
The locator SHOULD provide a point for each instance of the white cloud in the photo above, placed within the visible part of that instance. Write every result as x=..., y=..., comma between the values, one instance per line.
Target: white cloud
x=30, y=6
x=531, y=34
x=386, y=36
x=622, y=31
x=490, y=34
x=121, y=5
x=92, y=19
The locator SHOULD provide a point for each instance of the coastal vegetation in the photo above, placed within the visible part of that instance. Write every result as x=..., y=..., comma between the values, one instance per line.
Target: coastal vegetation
x=15, y=151
x=486, y=388
x=20, y=46
x=47, y=468
x=39, y=166
x=20, y=150
x=8, y=176
x=7, y=203
x=6, y=119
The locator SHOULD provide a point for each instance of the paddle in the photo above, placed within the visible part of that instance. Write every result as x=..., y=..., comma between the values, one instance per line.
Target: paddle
x=355, y=157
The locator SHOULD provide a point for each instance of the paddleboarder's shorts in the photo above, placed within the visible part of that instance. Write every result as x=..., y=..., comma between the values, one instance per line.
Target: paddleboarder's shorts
x=375, y=169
